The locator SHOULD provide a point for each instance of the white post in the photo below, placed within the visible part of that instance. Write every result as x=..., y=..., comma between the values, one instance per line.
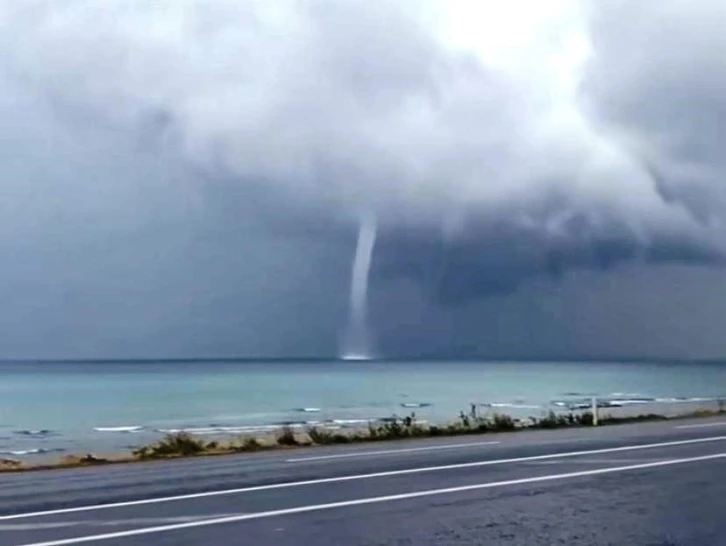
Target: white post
x=594, y=411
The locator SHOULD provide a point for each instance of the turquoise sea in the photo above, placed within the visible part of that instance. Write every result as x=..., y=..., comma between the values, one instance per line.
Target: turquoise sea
x=51, y=407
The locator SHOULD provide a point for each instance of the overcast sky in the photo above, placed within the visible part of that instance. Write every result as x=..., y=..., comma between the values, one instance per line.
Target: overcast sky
x=185, y=178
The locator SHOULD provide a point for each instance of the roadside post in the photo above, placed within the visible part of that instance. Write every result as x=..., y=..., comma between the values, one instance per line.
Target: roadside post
x=594, y=411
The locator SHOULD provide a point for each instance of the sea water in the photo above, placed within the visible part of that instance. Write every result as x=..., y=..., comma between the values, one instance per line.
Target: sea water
x=51, y=408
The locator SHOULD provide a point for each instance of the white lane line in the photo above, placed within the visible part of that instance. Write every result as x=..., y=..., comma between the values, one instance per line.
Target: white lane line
x=703, y=425
x=37, y=526
x=353, y=477
x=596, y=461
x=370, y=500
x=374, y=453
x=16, y=527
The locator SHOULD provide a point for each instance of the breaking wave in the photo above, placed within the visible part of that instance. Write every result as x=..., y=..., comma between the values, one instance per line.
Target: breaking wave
x=38, y=432
x=344, y=422
x=681, y=399
x=36, y=451
x=619, y=400
x=126, y=429
x=219, y=431
x=512, y=406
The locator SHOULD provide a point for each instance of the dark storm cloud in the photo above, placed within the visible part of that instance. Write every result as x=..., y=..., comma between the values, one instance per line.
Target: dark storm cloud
x=496, y=258
x=113, y=249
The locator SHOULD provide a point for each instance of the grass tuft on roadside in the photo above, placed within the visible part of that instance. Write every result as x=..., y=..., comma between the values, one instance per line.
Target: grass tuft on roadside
x=180, y=444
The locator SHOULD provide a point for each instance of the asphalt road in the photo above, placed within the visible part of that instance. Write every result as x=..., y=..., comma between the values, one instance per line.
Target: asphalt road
x=655, y=484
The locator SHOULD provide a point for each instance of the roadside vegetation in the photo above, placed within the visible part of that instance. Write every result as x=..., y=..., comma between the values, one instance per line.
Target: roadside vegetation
x=393, y=428
x=469, y=422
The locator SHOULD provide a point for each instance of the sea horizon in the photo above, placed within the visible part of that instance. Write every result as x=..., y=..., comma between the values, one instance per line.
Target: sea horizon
x=395, y=358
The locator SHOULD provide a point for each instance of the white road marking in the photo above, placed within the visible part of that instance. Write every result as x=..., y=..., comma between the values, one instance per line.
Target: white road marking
x=36, y=526
x=106, y=523
x=353, y=477
x=370, y=500
x=703, y=425
x=374, y=453
x=596, y=461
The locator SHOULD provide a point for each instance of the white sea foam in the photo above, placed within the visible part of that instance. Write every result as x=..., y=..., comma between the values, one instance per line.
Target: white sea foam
x=629, y=401
x=35, y=451
x=355, y=356
x=514, y=406
x=211, y=431
x=125, y=429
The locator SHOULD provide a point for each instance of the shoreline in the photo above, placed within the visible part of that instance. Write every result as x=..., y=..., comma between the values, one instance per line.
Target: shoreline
x=111, y=410
x=43, y=446
x=182, y=445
